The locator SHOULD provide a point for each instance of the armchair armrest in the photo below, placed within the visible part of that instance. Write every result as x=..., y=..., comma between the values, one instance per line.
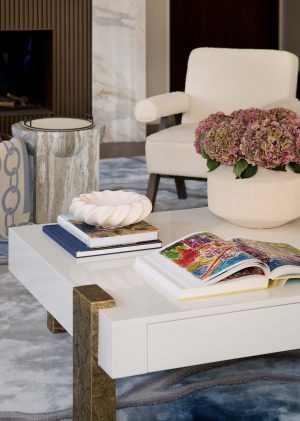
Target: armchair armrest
x=158, y=106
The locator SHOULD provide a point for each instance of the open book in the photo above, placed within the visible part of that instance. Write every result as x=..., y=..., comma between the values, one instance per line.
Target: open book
x=203, y=265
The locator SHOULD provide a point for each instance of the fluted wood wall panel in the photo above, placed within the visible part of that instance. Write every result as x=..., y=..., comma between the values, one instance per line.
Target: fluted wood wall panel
x=70, y=21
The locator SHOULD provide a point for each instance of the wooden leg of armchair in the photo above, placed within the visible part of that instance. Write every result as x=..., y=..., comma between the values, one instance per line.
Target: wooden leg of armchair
x=180, y=187
x=152, y=188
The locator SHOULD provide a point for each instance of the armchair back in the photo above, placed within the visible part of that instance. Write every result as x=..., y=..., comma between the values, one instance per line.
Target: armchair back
x=228, y=79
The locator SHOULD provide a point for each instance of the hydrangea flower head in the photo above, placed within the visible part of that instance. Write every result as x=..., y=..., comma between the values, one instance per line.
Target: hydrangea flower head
x=251, y=115
x=281, y=114
x=222, y=142
x=265, y=138
x=268, y=145
x=213, y=120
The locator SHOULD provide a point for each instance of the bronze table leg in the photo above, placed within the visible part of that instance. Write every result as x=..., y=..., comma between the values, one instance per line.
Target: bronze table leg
x=53, y=325
x=94, y=396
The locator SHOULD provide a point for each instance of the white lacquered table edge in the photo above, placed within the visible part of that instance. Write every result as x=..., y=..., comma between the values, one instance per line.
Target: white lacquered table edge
x=135, y=345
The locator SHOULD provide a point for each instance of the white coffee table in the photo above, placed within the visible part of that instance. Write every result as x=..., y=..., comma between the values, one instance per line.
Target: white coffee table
x=141, y=329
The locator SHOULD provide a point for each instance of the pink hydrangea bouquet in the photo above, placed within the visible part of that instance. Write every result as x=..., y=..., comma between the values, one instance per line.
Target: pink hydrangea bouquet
x=250, y=138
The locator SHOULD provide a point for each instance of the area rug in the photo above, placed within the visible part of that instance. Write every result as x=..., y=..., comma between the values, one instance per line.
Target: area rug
x=131, y=174
x=36, y=366
x=36, y=377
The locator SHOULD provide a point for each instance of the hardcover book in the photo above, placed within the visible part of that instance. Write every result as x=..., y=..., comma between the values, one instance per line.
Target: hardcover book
x=95, y=236
x=78, y=249
x=203, y=265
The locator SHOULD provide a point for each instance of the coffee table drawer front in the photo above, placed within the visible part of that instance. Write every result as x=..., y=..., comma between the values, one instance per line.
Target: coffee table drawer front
x=222, y=337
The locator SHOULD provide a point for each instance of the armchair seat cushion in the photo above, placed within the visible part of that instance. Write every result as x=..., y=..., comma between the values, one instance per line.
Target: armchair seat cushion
x=172, y=152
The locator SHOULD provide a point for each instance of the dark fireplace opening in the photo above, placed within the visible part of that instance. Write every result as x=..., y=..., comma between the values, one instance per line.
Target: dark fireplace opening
x=26, y=80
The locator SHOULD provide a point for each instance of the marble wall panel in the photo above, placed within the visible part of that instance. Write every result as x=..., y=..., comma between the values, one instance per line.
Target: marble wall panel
x=119, y=67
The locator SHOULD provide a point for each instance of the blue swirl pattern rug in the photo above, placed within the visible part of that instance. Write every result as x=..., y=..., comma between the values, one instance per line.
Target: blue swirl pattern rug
x=265, y=388
x=36, y=366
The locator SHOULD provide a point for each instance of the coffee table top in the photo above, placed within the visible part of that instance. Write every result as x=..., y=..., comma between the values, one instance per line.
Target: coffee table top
x=50, y=274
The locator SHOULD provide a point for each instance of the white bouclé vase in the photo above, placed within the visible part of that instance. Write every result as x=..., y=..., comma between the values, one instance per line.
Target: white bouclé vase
x=266, y=200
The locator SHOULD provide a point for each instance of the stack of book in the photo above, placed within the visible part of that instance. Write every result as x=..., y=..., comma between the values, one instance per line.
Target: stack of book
x=83, y=240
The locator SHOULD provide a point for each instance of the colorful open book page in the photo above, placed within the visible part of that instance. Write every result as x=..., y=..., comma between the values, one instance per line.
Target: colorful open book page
x=204, y=255
x=273, y=254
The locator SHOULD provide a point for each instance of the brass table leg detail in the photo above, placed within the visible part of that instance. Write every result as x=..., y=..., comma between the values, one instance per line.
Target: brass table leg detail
x=94, y=395
x=53, y=325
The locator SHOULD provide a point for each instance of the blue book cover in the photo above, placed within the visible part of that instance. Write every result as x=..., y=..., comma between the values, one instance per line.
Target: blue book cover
x=78, y=249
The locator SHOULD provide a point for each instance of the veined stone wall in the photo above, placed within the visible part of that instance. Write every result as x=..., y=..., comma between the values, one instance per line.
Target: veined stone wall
x=119, y=67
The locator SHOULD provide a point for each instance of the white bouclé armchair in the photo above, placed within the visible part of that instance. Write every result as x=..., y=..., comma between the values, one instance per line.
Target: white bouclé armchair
x=217, y=79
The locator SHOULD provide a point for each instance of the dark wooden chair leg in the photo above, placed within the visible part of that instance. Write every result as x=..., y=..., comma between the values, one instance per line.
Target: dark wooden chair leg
x=152, y=188
x=180, y=187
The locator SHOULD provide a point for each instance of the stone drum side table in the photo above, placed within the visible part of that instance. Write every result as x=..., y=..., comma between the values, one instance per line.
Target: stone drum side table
x=65, y=162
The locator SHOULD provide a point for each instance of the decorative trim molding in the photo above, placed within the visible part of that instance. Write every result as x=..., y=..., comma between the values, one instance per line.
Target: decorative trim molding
x=126, y=149
x=119, y=149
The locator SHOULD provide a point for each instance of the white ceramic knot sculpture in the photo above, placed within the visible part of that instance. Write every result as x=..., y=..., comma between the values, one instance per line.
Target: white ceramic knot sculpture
x=110, y=208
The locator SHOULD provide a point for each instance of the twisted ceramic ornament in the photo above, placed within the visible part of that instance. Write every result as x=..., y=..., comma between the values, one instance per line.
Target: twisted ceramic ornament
x=110, y=208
